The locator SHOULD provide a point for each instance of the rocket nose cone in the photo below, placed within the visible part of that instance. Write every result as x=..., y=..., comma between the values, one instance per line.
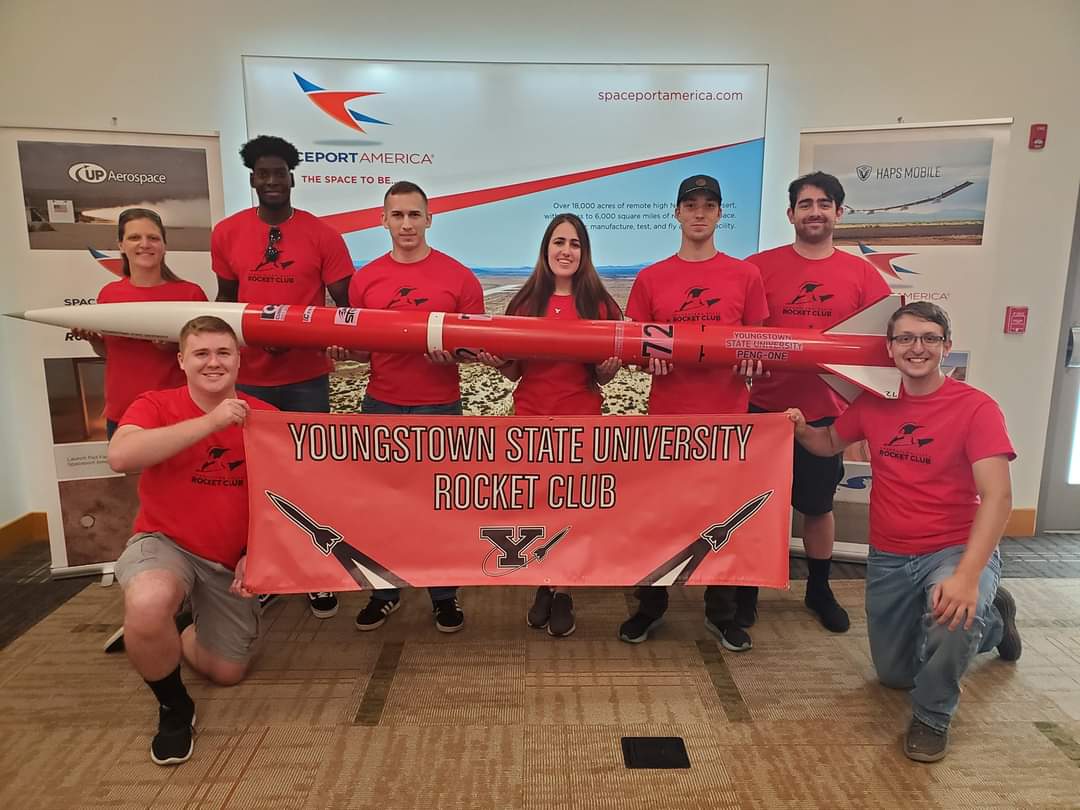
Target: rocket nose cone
x=20, y=315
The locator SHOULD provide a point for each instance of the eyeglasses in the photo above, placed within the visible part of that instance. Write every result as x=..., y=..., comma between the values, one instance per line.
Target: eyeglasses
x=930, y=341
x=272, y=253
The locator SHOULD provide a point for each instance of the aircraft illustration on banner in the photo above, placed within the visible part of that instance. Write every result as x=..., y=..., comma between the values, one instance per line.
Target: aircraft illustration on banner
x=905, y=206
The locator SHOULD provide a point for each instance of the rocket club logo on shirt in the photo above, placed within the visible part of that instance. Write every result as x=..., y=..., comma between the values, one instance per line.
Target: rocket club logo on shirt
x=697, y=306
x=405, y=298
x=218, y=469
x=273, y=271
x=905, y=444
x=808, y=301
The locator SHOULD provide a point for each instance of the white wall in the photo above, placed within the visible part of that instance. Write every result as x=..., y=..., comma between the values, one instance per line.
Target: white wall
x=176, y=67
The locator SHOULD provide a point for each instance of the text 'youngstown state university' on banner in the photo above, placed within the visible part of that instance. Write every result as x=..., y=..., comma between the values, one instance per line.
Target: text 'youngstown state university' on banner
x=353, y=502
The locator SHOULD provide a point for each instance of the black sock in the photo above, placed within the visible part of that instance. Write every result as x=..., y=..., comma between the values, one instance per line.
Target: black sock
x=818, y=579
x=171, y=693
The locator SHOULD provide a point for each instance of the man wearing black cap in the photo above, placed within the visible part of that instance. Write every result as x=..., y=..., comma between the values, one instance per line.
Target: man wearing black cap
x=696, y=284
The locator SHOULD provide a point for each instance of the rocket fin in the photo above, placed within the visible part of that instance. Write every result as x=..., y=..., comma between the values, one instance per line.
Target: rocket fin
x=848, y=380
x=871, y=320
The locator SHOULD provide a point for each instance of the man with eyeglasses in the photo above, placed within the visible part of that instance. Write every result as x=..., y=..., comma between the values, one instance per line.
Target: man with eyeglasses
x=276, y=254
x=810, y=284
x=941, y=496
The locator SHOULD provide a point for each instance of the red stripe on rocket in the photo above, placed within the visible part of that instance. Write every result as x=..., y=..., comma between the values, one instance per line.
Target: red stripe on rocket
x=852, y=352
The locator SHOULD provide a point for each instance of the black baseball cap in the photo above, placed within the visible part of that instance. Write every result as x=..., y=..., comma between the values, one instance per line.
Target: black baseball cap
x=699, y=182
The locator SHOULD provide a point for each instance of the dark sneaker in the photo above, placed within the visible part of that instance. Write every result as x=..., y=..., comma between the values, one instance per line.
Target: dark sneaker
x=374, y=615
x=746, y=606
x=541, y=607
x=448, y=615
x=822, y=602
x=175, y=738
x=266, y=599
x=636, y=629
x=561, y=622
x=115, y=642
x=323, y=604
x=1010, y=645
x=923, y=743
x=731, y=636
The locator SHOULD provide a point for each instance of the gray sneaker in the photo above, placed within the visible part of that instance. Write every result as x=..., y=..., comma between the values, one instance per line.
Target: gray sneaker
x=540, y=611
x=1010, y=646
x=925, y=744
x=561, y=622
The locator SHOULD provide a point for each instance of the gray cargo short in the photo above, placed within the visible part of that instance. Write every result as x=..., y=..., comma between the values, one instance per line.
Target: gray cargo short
x=225, y=624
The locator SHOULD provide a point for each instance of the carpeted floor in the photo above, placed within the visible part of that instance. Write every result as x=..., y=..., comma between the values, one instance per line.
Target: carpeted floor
x=501, y=716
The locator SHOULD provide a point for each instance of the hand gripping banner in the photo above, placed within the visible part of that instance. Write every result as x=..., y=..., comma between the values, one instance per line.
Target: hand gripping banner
x=345, y=502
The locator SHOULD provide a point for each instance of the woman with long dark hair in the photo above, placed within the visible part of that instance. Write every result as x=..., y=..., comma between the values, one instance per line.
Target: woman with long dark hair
x=564, y=285
x=134, y=366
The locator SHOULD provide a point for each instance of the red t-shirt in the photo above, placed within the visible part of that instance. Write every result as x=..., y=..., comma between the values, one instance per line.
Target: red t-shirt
x=133, y=366
x=311, y=255
x=923, y=497
x=558, y=388
x=810, y=294
x=198, y=498
x=437, y=283
x=720, y=290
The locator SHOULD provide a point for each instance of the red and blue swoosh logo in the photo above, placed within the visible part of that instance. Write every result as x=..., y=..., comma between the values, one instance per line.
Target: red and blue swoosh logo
x=114, y=266
x=885, y=262
x=332, y=102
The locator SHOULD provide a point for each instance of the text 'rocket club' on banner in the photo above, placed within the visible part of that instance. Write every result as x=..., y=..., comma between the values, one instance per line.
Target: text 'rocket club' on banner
x=347, y=502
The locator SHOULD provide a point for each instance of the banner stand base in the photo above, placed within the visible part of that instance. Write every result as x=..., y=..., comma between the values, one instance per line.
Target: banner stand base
x=92, y=569
x=842, y=551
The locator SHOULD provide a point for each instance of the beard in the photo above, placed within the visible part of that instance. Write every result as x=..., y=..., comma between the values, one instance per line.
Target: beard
x=812, y=237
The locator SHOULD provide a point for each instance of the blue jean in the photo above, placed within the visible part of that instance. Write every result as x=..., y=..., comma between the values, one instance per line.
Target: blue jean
x=306, y=396
x=370, y=405
x=910, y=650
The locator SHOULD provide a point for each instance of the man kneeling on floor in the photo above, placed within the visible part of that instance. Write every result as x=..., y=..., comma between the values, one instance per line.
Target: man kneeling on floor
x=190, y=533
x=940, y=458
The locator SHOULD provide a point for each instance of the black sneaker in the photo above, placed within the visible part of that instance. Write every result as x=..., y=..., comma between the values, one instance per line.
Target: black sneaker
x=115, y=642
x=731, y=636
x=448, y=615
x=636, y=629
x=376, y=612
x=925, y=744
x=175, y=738
x=1010, y=646
x=746, y=599
x=822, y=602
x=323, y=604
x=266, y=599
x=561, y=622
x=540, y=611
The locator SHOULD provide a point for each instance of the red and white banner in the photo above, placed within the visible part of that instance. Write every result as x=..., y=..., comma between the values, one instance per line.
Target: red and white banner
x=344, y=502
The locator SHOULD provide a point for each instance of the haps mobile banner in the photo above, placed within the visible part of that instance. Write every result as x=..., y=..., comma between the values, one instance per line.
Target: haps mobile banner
x=352, y=502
